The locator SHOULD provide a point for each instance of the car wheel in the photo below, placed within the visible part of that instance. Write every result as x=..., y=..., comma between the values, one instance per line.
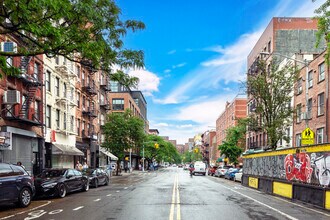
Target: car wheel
x=107, y=181
x=96, y=183
x=86, y=186
x=25, y=197
x=61, y=190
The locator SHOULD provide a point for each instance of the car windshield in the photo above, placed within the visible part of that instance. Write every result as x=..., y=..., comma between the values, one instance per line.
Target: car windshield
x=52, y=173
x=88, y=171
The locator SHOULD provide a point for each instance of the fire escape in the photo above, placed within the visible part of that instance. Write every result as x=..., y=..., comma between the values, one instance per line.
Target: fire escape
x=30, y=86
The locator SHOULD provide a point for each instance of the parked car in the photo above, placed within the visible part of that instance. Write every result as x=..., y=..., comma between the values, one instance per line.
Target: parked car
x=199, y=167
x=230, y=174
x=211, y=170
x=238, y=175
x=96, y=177
x=180, y=165
x=59, y=182
x=220, y=172
x=16, y=185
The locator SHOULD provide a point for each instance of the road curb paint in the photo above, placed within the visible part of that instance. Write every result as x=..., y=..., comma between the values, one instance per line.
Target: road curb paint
x=282, y=189
x=327, y=199
x=253, y=182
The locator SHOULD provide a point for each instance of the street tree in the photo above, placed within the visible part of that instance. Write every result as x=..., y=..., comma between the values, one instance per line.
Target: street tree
x=323, y=26
x=89, y=32
x=234, y=143
x=123, y=131
x=272, y=90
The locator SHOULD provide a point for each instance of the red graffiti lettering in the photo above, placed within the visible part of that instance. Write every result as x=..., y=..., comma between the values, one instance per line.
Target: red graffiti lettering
x=298, y=167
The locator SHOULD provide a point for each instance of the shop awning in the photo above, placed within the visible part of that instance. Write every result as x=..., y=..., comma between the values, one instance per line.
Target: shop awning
x=107, y=153
x=61, y=149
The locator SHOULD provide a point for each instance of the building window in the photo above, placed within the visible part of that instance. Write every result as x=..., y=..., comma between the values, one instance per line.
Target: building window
x=309, y=108
x=117, y=104
x=299, y=113
x=57, y=60
x=71, y=123
x=57, y=118
x=319, y=135
x=9, y=61
x=64, y=121
x=299, y=86
x=48, y=75
x=78, y=127
x=321, y=72
x=64, y=90
x=78, y=72
x=298, y=140
x=78, y=99
x=36, y=110
x=83, y=102
x=320, y=104
x=114, y=86
x=310, y=79
x=48, y=116
x=57, y=86
x=36, y=71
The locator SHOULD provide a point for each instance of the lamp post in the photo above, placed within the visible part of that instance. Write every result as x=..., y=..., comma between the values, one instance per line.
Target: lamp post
x=305, y=63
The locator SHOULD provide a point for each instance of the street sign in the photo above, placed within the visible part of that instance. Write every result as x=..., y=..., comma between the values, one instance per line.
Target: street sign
x=307, y=137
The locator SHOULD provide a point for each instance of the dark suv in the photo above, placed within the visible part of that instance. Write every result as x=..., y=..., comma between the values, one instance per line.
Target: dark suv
x=16, y=185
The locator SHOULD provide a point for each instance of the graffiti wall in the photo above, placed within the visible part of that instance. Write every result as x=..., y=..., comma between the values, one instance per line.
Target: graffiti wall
x=312, y=168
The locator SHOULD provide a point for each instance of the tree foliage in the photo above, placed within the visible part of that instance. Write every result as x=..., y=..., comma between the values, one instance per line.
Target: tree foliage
x=234, y=143
x=323, y=26
x=86, y=31
x=165, y=151
x=272, y=90
x=123, y=131
x=191, y=156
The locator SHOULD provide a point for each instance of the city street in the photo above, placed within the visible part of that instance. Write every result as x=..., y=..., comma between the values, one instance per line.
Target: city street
x=169, y=193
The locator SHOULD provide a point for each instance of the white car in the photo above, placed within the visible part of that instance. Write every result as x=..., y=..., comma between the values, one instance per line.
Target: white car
x=238, y=176
x=200, y=167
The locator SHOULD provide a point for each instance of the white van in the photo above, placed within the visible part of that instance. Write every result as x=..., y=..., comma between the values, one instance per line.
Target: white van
x=200, y=167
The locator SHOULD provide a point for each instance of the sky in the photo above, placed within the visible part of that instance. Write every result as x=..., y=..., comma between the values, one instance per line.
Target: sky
x=195, y=55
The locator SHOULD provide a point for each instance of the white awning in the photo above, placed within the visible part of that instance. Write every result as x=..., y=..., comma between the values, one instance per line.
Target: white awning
x=107, y=153
x=61, y=149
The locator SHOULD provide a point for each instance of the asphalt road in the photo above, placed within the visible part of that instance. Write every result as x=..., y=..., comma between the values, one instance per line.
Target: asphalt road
x=166, y=194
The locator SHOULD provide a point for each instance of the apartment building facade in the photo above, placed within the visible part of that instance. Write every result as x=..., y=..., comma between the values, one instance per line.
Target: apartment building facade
x=229, y=117
x=207, y=146
x=283, y=37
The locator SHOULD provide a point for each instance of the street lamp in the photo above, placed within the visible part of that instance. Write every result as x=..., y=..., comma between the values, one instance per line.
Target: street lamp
x=305, y=62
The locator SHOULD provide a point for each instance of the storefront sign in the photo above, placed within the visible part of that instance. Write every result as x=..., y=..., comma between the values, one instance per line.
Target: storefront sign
x=5, y=140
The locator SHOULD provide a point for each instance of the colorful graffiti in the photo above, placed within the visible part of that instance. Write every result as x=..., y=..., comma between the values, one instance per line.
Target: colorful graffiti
x=311, y=168
x=298, y=167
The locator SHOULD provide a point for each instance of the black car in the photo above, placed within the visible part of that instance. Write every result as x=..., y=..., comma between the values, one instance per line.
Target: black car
x=59, y=182
x=16, y=185
x=96, y=177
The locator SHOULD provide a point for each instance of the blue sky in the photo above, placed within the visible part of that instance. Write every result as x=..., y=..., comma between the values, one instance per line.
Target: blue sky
x=195, y=55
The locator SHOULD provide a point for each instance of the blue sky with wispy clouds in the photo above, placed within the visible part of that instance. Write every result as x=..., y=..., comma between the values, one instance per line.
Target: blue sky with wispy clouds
x=195, y=55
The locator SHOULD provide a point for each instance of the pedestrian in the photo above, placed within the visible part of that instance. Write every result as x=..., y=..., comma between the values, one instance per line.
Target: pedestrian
x=79, y=166
x=19, y=163
x=85, y=166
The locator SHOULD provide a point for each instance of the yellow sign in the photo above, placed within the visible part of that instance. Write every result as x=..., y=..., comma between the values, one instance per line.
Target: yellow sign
x=156, y=145
x=307, y=137
x=253, y=182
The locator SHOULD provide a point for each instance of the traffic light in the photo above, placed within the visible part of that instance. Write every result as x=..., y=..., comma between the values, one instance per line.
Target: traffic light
x=156, y=145
x=196, y=150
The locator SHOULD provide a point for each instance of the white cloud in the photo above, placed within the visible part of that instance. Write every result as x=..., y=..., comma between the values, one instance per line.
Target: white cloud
x=171, y=52
x=178, y=65
x=167, y=71
x=185, y=126
x=161, y=124
x=149, y=81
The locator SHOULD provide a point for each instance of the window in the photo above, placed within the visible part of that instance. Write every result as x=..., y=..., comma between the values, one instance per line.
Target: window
x=310, y=79
x=117, y=104
x=36, y=110
x=57, y=86
x=78, y=99
x=309, y=108
x=321, y=72
x=319, y=135
x=298, y=140
x=64, y=121
x=57, y=60
x=299, y=86
x=36, y=71
x=57, y=118
x=78, y=72
x=72, y=94
x=48, y=116
x=299, y=113
x=71, y=123
x=48, y=75
x=114, y=86
x=78, y=127
x=64, y=90
x=320, y=104
x=9, y=61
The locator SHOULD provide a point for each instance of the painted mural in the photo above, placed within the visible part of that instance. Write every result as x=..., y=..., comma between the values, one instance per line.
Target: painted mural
x=311, y=168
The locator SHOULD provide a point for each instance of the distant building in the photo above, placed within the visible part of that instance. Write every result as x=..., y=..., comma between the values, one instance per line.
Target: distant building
x=180, y=148
x=154, y=131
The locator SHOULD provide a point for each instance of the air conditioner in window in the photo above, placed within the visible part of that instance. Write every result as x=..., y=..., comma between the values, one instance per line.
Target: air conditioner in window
x=12, y=97
x=9, y=47
x=306, y=115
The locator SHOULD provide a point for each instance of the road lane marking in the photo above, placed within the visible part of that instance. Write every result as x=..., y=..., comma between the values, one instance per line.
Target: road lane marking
x=276, y=210
x=178, y=209
x=117, y=191
x=19, y=213
x=173, y=200
x=80, y=207
x=96, y=200
x=126, y=188
x=109, y=194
